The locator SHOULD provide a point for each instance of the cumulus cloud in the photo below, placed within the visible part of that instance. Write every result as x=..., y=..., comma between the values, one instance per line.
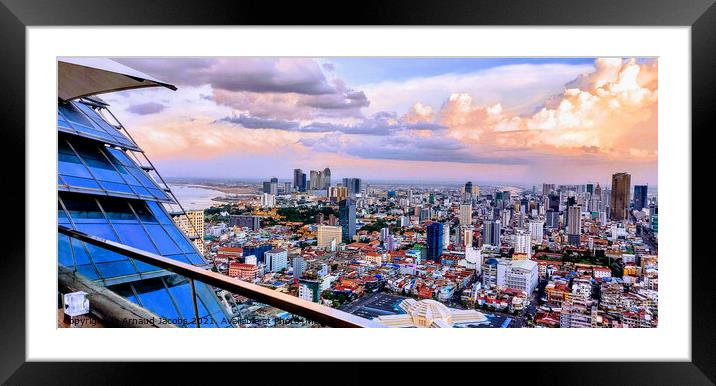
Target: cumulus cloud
x=146, y=108
x=535, y=119
x=292, y=88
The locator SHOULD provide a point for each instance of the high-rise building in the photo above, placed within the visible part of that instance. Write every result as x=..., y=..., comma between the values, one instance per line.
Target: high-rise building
x=315, y=180
x=273, y=186
x=297, y=174
x=522, y=243
x=619, y=203
x=465, y=214
x=491, y=233
x=326, y=179
x=347, y=218
x=536, y=231
x=268, y=200
x=551, y=219
x=468, y=232
x=276, y=260
x=337, y=193
x=640, y=200
x=434, y=241
x=547, y=189
x=329, y=236
x=99, y=179
x=554, y=202
x=446, y=235
x=192, y=224
x=574, y=224
x=354, y=185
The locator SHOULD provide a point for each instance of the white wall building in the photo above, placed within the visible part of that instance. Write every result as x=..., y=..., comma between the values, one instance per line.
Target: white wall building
x=276, y=259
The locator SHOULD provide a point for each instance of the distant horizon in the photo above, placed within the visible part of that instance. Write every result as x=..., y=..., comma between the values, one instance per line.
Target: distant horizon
x=337, y=180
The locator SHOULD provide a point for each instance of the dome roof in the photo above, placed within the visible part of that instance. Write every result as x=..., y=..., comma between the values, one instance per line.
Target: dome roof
x=426, y=311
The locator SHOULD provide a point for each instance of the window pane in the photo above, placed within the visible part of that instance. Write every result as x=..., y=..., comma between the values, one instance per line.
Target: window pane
x=81, y=256
x=155, y=298
x=164, y=242
x=179, y=238
x=116, y=268
x=64, y=252
x=100, y=230
x=159, y=212
x=195, y=259
x=81, y=182
x=88, y=271
x=101, y=255
x=117, y=210
x=134, y=236
x=82, y=209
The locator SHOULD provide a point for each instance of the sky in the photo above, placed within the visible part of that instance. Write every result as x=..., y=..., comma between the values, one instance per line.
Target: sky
x=511, y=120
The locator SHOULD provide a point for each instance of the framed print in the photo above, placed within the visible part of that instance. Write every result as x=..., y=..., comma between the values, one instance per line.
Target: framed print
x=464, y=183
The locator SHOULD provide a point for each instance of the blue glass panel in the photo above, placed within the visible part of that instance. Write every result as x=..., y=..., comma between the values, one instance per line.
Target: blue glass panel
x=179, y=257
x=120, y=157
x=62, y=216
x=64, y=251
x=125, y=291
x=144, y=267
x=115, y=268
x=141, y=191
x=81, y=182
x=134, y=236
x=155, y=297
x=69, y=164
x=82, y=209
x=100, y=125
x=182, y=295
x=117, y=210
x=115, y=187
x=159, y=212
x=140, y=207
x=88, y=271
x=101, y=255
x=100, y=230
x=195, y=259
x=81, y=256
x=179, y=238
x=207, y=296
x=162, y=240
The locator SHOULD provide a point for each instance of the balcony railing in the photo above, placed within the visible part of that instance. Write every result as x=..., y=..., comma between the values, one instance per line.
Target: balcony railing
x=313, y=311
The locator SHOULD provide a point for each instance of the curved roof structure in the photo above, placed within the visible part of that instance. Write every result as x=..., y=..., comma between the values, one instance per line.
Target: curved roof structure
x=80, y=77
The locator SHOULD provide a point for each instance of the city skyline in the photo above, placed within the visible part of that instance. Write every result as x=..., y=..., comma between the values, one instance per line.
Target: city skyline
x=518, y=120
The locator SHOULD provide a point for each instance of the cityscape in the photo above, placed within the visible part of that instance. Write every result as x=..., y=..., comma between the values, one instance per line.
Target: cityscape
x=554, y=225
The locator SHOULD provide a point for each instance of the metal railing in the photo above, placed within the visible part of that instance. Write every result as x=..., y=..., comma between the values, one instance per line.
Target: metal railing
x=313, y=311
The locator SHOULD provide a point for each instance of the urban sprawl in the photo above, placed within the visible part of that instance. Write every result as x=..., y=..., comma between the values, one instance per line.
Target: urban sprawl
x=431, y=255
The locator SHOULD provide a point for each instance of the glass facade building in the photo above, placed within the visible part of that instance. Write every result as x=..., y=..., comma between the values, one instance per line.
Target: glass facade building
x=104, y=191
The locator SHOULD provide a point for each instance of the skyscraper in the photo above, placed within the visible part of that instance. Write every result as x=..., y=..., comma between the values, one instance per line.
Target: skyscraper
x=326, y=179
x=536, y=231
x=640, y=200
x=574, y=224
x=347, y=218
x=619, y=203
x=434, y=241
x=297, y=179
x=491, y=233
x=465, y=214
x=354, y=185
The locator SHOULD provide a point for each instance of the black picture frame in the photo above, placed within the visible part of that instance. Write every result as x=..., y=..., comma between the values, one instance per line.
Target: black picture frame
x=16, y=15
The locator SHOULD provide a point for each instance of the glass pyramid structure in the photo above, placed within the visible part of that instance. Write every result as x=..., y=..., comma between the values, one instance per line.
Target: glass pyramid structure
x=103, y=190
